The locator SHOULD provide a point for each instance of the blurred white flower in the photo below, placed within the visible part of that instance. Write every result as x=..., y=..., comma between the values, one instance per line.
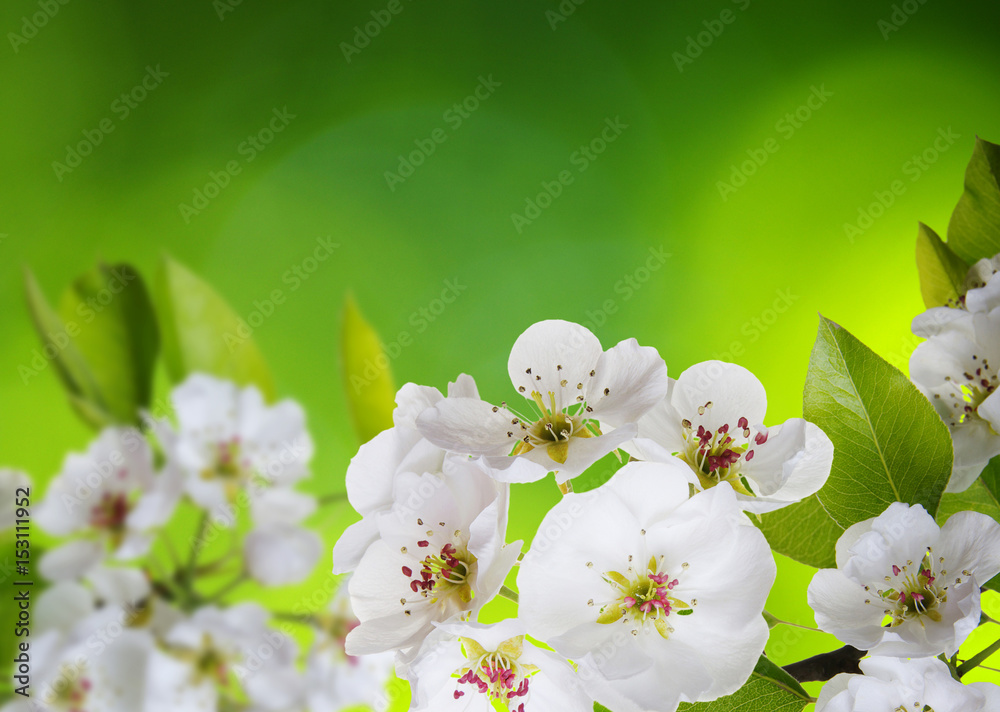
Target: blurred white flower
x=911, y=685
x=657, y=596
x=440, y=553
x=227, y=439
x=89, y=652
x=221, y=649
x=981, y=293
x=901, y=568
x=956, y=368
x=576, y=392
x=111, y=497
x=401, y=448
x=335, y=680
x=278, y=551
x=469, y=666
x=712, y=418
x=10, y=482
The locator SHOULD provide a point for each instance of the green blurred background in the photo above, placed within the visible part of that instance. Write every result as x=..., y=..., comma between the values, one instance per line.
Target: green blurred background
x=746, y=274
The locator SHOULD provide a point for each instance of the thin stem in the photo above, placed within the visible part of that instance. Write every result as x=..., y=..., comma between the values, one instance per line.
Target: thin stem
x=303, y=618
x=186, y=577
x=508, y=594
x=773, y=620
x=236, y=582
x=978, y=658
x=171, y=551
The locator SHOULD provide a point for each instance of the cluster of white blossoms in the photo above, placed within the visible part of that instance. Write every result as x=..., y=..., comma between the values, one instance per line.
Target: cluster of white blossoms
x=648, y=590
x=135, y=620
x=956, y=368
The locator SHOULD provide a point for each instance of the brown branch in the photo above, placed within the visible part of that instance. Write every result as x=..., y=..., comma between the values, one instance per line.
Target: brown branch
x=821, y=668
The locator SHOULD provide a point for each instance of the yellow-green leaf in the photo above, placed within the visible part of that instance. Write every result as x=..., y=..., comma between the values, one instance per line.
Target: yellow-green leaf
x=974, y=230
x=942, y=272
x=367, y=375
x=201, y=333
x=118, y=338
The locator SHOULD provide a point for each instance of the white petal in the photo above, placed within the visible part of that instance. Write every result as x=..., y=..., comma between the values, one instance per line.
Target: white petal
x=584, y=452
x=901, y=533
x=463, y=387
x=938, y=319
x=62, y=606
x=513, y=470
x=551, y=352
x=281, y=506
x=662, y=423
x=970, y=541
x=10, y=482
x=353, y=543
x=792, y=464
x=732, y=390
x=634, y=378
x=72, y=560
x=411, y=401
x=840, y=609
x=469, y=426
x=280, y=554
x=275, y=437
x=119, y=586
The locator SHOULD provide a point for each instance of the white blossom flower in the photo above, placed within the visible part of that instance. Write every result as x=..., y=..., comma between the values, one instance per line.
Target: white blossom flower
x=900, y=568
x=112, y=498
x=657, y=596
x=440, y=553
x=909, y=685
x=333, y=679
x=278, y=551
x=222, y=648
x=228, y=439
x=90, y=651
x=71, y=673
x=401, y=448
x=10, y=482
x=469, y=666
x=956, y=369
x=577, y=394
x=980, y=293
x=712, y=419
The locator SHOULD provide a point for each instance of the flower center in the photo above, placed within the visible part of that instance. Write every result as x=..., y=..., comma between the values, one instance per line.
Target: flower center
x=719, y=455
x=230, y=466
x=110, y=513
x=914, y=592
x=498, y=674
x=70, y=689
x=443, y=574
x=641, y=597
x=969, y=391
x=554, y=428
x=209, y=662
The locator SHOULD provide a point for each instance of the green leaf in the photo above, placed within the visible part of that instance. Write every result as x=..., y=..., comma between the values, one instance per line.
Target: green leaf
x=368, y=379
x=103, y=342
x=974, y=230
x=598, y=707
x=118, y=339
x=942, y=272
x=804, y=532
x=890, y=446
x=58, y=347
x=201, y=333
x=769, y=689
